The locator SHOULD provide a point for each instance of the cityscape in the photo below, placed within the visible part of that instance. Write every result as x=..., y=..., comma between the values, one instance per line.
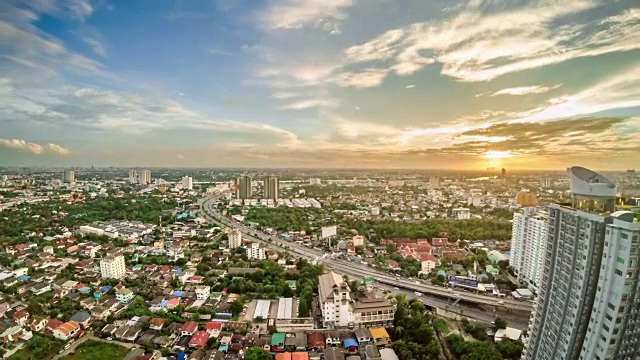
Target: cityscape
x=320, y=179
x=318, y=264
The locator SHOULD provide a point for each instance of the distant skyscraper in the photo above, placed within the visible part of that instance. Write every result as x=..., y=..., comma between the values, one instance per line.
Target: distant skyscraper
x=271, y=187
x=546, y=183
x=145, y=177
x=588, y=304
x=244, y=190
x=528, y=241
x=68, y=176
x=315, y=181
x=187, y=182
x=526, y=199
x=133, y=176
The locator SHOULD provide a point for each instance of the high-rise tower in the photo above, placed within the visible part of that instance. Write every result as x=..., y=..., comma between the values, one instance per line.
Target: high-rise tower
x=587, y=306
x=271, y=187
x=244, y=189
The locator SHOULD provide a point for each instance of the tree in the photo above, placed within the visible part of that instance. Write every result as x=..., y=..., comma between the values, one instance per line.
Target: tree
x=500, y=323
x=510, y=350
x=255, y=353
x=236, y=307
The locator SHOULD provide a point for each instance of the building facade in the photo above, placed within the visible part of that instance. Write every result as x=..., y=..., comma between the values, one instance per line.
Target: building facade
x=461, y=214
x=335, y=301
x=271, y=188
x=244, y=188
x=113, y=267
x=187, y=182
x=588, y=303
x=256, y=252
x=235, y=239
x=526, y=199
x=68, y=176
x=528, y=242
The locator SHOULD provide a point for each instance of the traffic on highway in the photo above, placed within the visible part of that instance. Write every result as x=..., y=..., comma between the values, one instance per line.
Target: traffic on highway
x=431, y=295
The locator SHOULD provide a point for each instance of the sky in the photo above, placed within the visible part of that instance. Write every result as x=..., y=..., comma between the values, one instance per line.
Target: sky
x=321, y=83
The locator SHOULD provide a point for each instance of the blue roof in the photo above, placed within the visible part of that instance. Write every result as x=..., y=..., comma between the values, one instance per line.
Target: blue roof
x=483, y=276
x=182, y=356
x=164, y=303
x=442, y=272
x=347, y=343
x=178, y=271
x=106, y=288
x=223, y=348
x=178, y=293
x=24, y=278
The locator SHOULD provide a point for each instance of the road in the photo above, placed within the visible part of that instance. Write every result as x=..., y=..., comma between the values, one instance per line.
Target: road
x=517, y=311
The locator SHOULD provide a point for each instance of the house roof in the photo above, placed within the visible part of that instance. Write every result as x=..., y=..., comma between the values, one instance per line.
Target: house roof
x=378, y=333
x=68, y=327
x=328, y=282
x=427, y=257
x=80, y=317
x=199, y=339
x=315, y=339
x=189, y=326
x=213, y=325
x=156, y=321
x=54, y=324
x=300, y=356
x=277, y=339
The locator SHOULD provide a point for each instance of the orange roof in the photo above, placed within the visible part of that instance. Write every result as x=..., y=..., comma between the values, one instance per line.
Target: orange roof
x=283, y=356
x=300, y=356
x=68, y=327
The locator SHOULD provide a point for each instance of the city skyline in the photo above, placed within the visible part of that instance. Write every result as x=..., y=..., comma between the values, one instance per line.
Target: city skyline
x=327, y=84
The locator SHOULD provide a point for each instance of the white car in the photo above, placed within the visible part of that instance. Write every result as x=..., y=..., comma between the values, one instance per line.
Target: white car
x=418, y=293
x=500, y=302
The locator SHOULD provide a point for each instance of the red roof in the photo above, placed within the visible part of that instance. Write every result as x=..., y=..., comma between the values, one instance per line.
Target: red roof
x=452, y=255
x=394, y=265
x=213, y=325
x=189, y=326
x=440, y=241
x=199, y=339
x=79, y=286
x=54, y=324
x=195, y=278
x=165, y=269
x=427, y=257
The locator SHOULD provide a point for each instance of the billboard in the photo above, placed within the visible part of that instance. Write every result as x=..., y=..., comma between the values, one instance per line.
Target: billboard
x=329, y=231
x=463, y=282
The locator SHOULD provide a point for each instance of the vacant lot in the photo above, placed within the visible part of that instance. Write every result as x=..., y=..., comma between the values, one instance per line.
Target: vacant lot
x=95, y=350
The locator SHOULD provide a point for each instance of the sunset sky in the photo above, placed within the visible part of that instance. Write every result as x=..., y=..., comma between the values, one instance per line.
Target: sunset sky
x=320, y=83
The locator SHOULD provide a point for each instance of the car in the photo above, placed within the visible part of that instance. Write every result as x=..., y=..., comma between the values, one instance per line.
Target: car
x=500, y=302
x=396, y=288
x=449, y=289
x=418, y=293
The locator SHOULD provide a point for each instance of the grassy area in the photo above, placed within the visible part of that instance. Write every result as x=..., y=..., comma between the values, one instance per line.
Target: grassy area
x=96, y=350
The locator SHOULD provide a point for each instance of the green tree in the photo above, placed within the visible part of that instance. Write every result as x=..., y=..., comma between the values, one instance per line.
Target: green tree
x=500, y=323
x=236, y=307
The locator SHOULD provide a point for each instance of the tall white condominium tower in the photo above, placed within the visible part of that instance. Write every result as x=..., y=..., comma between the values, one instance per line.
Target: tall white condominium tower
x=235, y=239
x=243, y=188
x=145, y=177
x=68, y=176
x=133, y=176
x=528, y=241
x=113, y=267
x=271, y=187
x=187, y=182
x=588, y=306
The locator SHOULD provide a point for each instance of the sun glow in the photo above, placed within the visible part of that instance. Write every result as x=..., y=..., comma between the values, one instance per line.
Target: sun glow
x=493, y=155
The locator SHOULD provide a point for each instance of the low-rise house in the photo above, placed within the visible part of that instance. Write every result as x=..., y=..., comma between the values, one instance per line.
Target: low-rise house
x=132, y=333
x=21, y=317
x=199, y=339
x=363, y=336
x=277, y=342
x=189, y=328
x=66, y=331
x=315, y=341
x=124, y=295
x=82, y=318
x=52, y=325
x=380, y=336
x=332, y=338
x=100, y=312
x=11, y=334
x=156, y=324
x=213, y=328
x=38, y=323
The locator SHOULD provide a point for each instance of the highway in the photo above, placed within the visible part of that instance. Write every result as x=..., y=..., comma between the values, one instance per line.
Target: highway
x=433, y=295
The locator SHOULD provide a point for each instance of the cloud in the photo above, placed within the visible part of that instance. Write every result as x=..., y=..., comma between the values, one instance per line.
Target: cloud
x=526, y=90
x=97, y=47
x=296, y=14
x=529, y=37
x=310, y=103
x=74, y=9
x=34, y=148
x=409, y=86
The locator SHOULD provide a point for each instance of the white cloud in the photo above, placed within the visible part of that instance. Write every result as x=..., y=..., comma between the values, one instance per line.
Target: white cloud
x=296, y=14
x=283, y=95
x=309, y=103
x=525, y=90
x=33, y=148
x=409, y=86
x=75, y=9
x=476, y=46
x=97, y=47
